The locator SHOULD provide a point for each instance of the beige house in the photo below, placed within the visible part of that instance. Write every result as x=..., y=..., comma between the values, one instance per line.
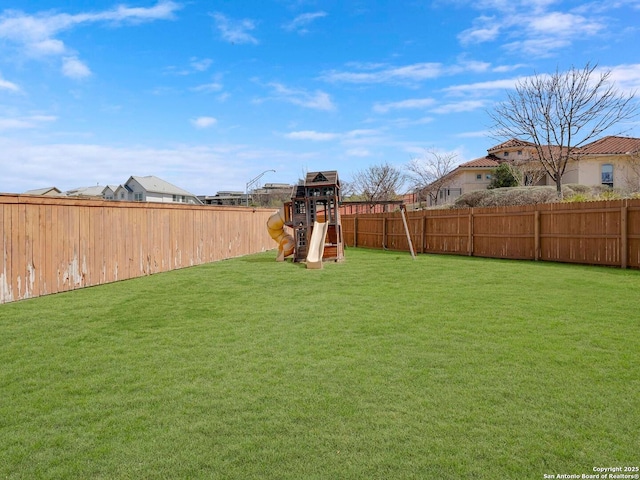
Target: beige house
x=611, y=161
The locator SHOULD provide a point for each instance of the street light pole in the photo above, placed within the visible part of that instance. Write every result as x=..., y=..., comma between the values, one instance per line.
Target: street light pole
x=251, y=182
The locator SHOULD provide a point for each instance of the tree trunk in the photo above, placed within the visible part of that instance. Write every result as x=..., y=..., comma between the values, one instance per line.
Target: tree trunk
x=558, y=180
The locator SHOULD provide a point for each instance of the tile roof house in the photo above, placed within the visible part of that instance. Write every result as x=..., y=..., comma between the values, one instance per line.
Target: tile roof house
x=466, y=177
x=611, y=161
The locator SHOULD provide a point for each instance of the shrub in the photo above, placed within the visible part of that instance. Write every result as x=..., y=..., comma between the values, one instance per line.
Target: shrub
x=502, y=177
x=504, y=197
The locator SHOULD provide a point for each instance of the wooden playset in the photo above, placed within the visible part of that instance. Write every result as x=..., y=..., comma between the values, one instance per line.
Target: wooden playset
x=314, y=207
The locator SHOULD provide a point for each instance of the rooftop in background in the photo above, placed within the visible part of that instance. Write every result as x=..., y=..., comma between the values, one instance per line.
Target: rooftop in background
x=612, y=145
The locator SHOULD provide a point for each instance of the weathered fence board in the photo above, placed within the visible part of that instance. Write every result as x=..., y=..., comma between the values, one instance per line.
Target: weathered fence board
x=50, y=245
x=595, y=233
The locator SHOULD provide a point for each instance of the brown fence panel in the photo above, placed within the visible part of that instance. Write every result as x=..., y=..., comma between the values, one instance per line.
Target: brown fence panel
x=446, y=231
x=500, y=232
x=587, y=233
x=595, y=233
x=632, y=212
x=50, y=245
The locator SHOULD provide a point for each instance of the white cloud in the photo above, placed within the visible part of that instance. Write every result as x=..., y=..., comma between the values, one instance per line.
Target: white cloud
x=403, y=75
x=204, y=122
x=508, y=68
x=300, y=23
x=208, y=87
x=317, y=100
x=504, y=84
x=564, y=24
x=195, y=66
x=200, y=65
x=350, y=137
x=485, y=29
x=312, y=135
x=33, y=121
x=464, y=106
x=13, y=123
x=358, y=152
x=35, y=35
x=478, y=134
x=188, y=166
x=408, y=73
x=7, y=85
x=530, y=28
x=626, y=77
x=412, y=103
x=48, y=46
x=74, y=68
x=235, y=31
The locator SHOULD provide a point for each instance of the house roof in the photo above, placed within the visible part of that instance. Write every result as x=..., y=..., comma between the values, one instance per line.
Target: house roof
x=44, y=191
x=156, y=185
x=512, y=143
x=94, y=191
x=483, y=162
x=612, y=145
x=113, y=188
x=328, y=177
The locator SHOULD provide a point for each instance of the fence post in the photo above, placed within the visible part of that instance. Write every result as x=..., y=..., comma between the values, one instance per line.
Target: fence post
x=470, y=241
x=384, y=231
x=624, y=235
x=355, y=230
x=536, y=233
x=423, y=234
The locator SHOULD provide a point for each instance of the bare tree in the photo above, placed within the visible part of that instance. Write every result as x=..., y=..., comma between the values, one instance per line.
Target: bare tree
x=347, y=189
x=526, y=172
x=632, y=176
x=428, y=173
x=561, y=112
x=378, y=183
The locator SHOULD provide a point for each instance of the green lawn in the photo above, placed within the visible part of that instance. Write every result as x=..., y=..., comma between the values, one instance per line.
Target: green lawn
x=380, y=367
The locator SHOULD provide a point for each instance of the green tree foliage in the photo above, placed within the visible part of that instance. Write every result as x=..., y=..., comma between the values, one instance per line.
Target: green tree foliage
x=503, y=177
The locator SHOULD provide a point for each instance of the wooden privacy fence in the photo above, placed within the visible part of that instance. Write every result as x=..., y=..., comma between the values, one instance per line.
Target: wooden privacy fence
x=51, y=245
x=598, y=233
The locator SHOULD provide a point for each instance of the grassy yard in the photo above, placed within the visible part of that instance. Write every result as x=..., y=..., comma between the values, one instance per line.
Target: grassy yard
x=380, y=367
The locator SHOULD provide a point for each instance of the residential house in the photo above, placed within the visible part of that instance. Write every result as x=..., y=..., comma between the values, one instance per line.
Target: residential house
x=46, y=192
x=466, y=177
x=224, y=198
x=611, y=161
x=85, y=192
x=153, y=189
x=109, y=192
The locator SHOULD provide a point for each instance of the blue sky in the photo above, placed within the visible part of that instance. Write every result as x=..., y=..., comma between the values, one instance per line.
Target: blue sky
x=209, y=94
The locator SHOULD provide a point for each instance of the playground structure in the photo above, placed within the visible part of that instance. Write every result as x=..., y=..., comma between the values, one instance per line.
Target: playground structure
x=286, y=243
x=314, y=217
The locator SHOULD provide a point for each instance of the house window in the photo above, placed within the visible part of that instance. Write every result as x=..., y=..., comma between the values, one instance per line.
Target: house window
x=137, y=197
x=121, y=195
x=607, y=174
x=519, y=152
x=506, y=154
x=488, y=176
x=478, y=176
